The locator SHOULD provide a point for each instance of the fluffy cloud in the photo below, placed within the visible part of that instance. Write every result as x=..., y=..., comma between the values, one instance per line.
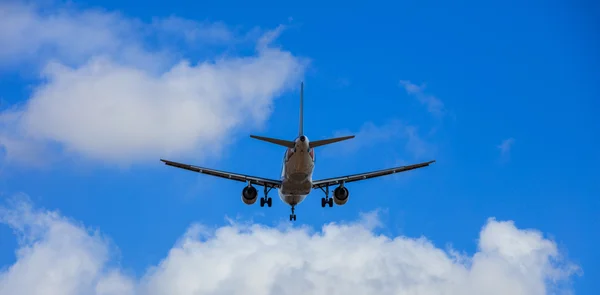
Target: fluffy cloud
x=60, y=256
x=109, y=96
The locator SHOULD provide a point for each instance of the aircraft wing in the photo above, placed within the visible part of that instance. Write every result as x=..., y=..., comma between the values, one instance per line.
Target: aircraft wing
x=228, y=175
x=361, y=176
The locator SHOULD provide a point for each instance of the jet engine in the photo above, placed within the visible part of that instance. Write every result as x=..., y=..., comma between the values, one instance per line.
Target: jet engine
x=249, y=195
x=340, y=195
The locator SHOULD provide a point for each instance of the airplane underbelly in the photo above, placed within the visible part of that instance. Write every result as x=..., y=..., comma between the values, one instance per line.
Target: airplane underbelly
x=292, y=199
x=293, y=193
x=293, y=188
x=298, y=176
x=299, y=168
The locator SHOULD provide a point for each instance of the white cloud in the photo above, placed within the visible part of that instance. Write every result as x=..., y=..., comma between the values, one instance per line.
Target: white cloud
x=59, y=256
x=113, y=112
x=103, y=99
x=56, y=256
x=434, y=105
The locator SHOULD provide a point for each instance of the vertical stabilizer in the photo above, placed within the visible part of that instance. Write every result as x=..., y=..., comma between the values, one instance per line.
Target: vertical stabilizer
x=301, y=123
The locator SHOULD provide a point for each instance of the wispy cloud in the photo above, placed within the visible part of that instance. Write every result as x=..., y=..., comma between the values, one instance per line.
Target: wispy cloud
x=434, y=105
x=416, y=145
x=267, y=39
x=39, y=33
x=57, y=255
x=505, y=147
x=371, y=135
x=193, y=31
x=342, y=82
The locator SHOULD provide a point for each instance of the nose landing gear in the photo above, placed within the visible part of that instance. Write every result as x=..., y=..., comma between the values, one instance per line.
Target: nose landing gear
x=293, y=216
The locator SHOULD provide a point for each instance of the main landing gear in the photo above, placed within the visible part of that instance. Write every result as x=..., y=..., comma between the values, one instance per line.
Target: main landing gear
x=293, y=216
x=327, y=200
x=266, y=200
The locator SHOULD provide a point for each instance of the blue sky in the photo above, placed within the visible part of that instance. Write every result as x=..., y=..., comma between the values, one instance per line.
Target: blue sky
x=503, y=96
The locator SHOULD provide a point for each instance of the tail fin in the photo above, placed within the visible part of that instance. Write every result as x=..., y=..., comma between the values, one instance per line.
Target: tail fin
x=281, y=142
x=301, y=123
x=317, y=143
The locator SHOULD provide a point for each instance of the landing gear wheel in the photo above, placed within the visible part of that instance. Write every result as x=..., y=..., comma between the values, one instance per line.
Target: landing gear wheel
x=266, y=201
x=326, y=201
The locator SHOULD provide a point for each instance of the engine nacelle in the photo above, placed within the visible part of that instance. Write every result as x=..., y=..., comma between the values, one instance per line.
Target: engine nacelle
x=340, y=195
x=249, y=195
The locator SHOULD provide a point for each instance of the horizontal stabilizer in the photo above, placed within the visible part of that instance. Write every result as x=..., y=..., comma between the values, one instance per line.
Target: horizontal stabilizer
x=317, y=143
x=281, y=142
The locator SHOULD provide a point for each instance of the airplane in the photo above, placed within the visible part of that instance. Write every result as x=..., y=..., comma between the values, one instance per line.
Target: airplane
x=298, y=165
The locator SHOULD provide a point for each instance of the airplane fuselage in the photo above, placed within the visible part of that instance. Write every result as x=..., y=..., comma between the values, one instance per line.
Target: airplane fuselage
x=296, y=172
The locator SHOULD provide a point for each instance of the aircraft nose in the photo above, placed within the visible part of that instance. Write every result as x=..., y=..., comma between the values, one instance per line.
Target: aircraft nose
x=302, y=138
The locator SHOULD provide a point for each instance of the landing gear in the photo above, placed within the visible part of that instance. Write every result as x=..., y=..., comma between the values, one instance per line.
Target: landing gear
x=266, y=199
x=327, y=200
x=293, y=216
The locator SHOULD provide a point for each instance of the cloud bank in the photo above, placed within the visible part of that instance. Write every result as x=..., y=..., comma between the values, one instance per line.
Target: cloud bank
x=57, y=255
x=110, y=94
